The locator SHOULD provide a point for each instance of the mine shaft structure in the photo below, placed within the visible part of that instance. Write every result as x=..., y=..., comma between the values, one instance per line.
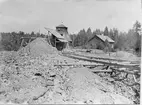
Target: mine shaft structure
x=63, y=30
x=59, y=38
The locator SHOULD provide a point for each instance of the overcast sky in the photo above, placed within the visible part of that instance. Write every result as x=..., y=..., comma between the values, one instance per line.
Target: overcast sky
x=34, y=15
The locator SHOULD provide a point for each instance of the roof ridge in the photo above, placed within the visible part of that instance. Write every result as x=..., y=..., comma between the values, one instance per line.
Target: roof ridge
x=61, y=25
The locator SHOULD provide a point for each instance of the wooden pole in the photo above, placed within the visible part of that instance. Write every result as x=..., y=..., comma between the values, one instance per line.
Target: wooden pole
x=73, y=41
x=55, y=41
x=29, y=40
x=22, y=43
x=49, y=38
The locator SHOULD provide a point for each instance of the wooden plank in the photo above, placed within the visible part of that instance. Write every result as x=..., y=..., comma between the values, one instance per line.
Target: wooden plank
x=78, y=65
x=28, y=37
x=29, y=40
x=135, y=78
x=93, y=70
x=21, y=43
x=126, y=71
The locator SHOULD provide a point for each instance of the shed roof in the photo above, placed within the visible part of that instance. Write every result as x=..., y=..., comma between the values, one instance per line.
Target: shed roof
x=62, y=40
x=54, y=33
x=61, y=25
x=58, y=35
x=104, y=38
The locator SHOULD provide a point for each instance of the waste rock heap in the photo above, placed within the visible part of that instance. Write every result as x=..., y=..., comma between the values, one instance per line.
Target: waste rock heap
x=38, y=47
x=31, y=77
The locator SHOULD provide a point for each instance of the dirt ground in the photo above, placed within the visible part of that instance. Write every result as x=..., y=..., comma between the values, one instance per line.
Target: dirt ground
x=114, y=55
x=30, y=76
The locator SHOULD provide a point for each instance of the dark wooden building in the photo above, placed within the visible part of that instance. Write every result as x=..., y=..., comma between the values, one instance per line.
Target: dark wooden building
x=59, y=38
x=100, y=42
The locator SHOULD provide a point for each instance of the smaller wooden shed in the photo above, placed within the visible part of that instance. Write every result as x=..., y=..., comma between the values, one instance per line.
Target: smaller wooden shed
x=100, y=42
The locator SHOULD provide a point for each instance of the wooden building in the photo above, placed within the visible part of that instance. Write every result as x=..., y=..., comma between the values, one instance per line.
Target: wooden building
x=100, y=42
x=59, y=38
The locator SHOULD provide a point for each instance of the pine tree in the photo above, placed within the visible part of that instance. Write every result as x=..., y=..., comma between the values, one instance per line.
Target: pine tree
x=97, y=32
x=106, y=33
x=137, y=30
x=89, y=33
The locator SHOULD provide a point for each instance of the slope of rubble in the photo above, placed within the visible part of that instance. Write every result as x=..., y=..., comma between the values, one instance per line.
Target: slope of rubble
x=38, y=47
x=25, y=78
x=89, y=88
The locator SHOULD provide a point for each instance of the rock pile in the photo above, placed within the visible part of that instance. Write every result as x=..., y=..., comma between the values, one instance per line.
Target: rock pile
x=27, y=79
x=89, y=88
x=32, y=78
x=38, y=47
x=36, y=80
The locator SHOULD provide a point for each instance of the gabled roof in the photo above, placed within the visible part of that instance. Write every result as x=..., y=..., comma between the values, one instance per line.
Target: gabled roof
x=104, y=38
x=54, y=33
x=62, y=40
x=61, y=25
x=58, y=35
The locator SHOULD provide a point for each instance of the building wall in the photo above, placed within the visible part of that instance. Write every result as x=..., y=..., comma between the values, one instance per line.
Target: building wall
x=56, y=43
x=95, y=43
x=62, y=30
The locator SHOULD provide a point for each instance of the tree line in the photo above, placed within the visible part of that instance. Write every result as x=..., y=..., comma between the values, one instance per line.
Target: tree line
x=130, y=40
x=11, y=41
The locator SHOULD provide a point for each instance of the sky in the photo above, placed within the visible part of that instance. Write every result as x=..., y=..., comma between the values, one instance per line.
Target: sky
x=34, y=15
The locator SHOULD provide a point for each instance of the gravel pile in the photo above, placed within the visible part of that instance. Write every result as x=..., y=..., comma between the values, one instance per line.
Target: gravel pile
x=35, y=80
x=28, y=77
x=89, y=88
x=38, y=47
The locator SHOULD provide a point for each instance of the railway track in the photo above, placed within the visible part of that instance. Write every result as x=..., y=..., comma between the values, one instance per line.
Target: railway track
x=108, y=59
x=105, y=61
x=115, y=69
